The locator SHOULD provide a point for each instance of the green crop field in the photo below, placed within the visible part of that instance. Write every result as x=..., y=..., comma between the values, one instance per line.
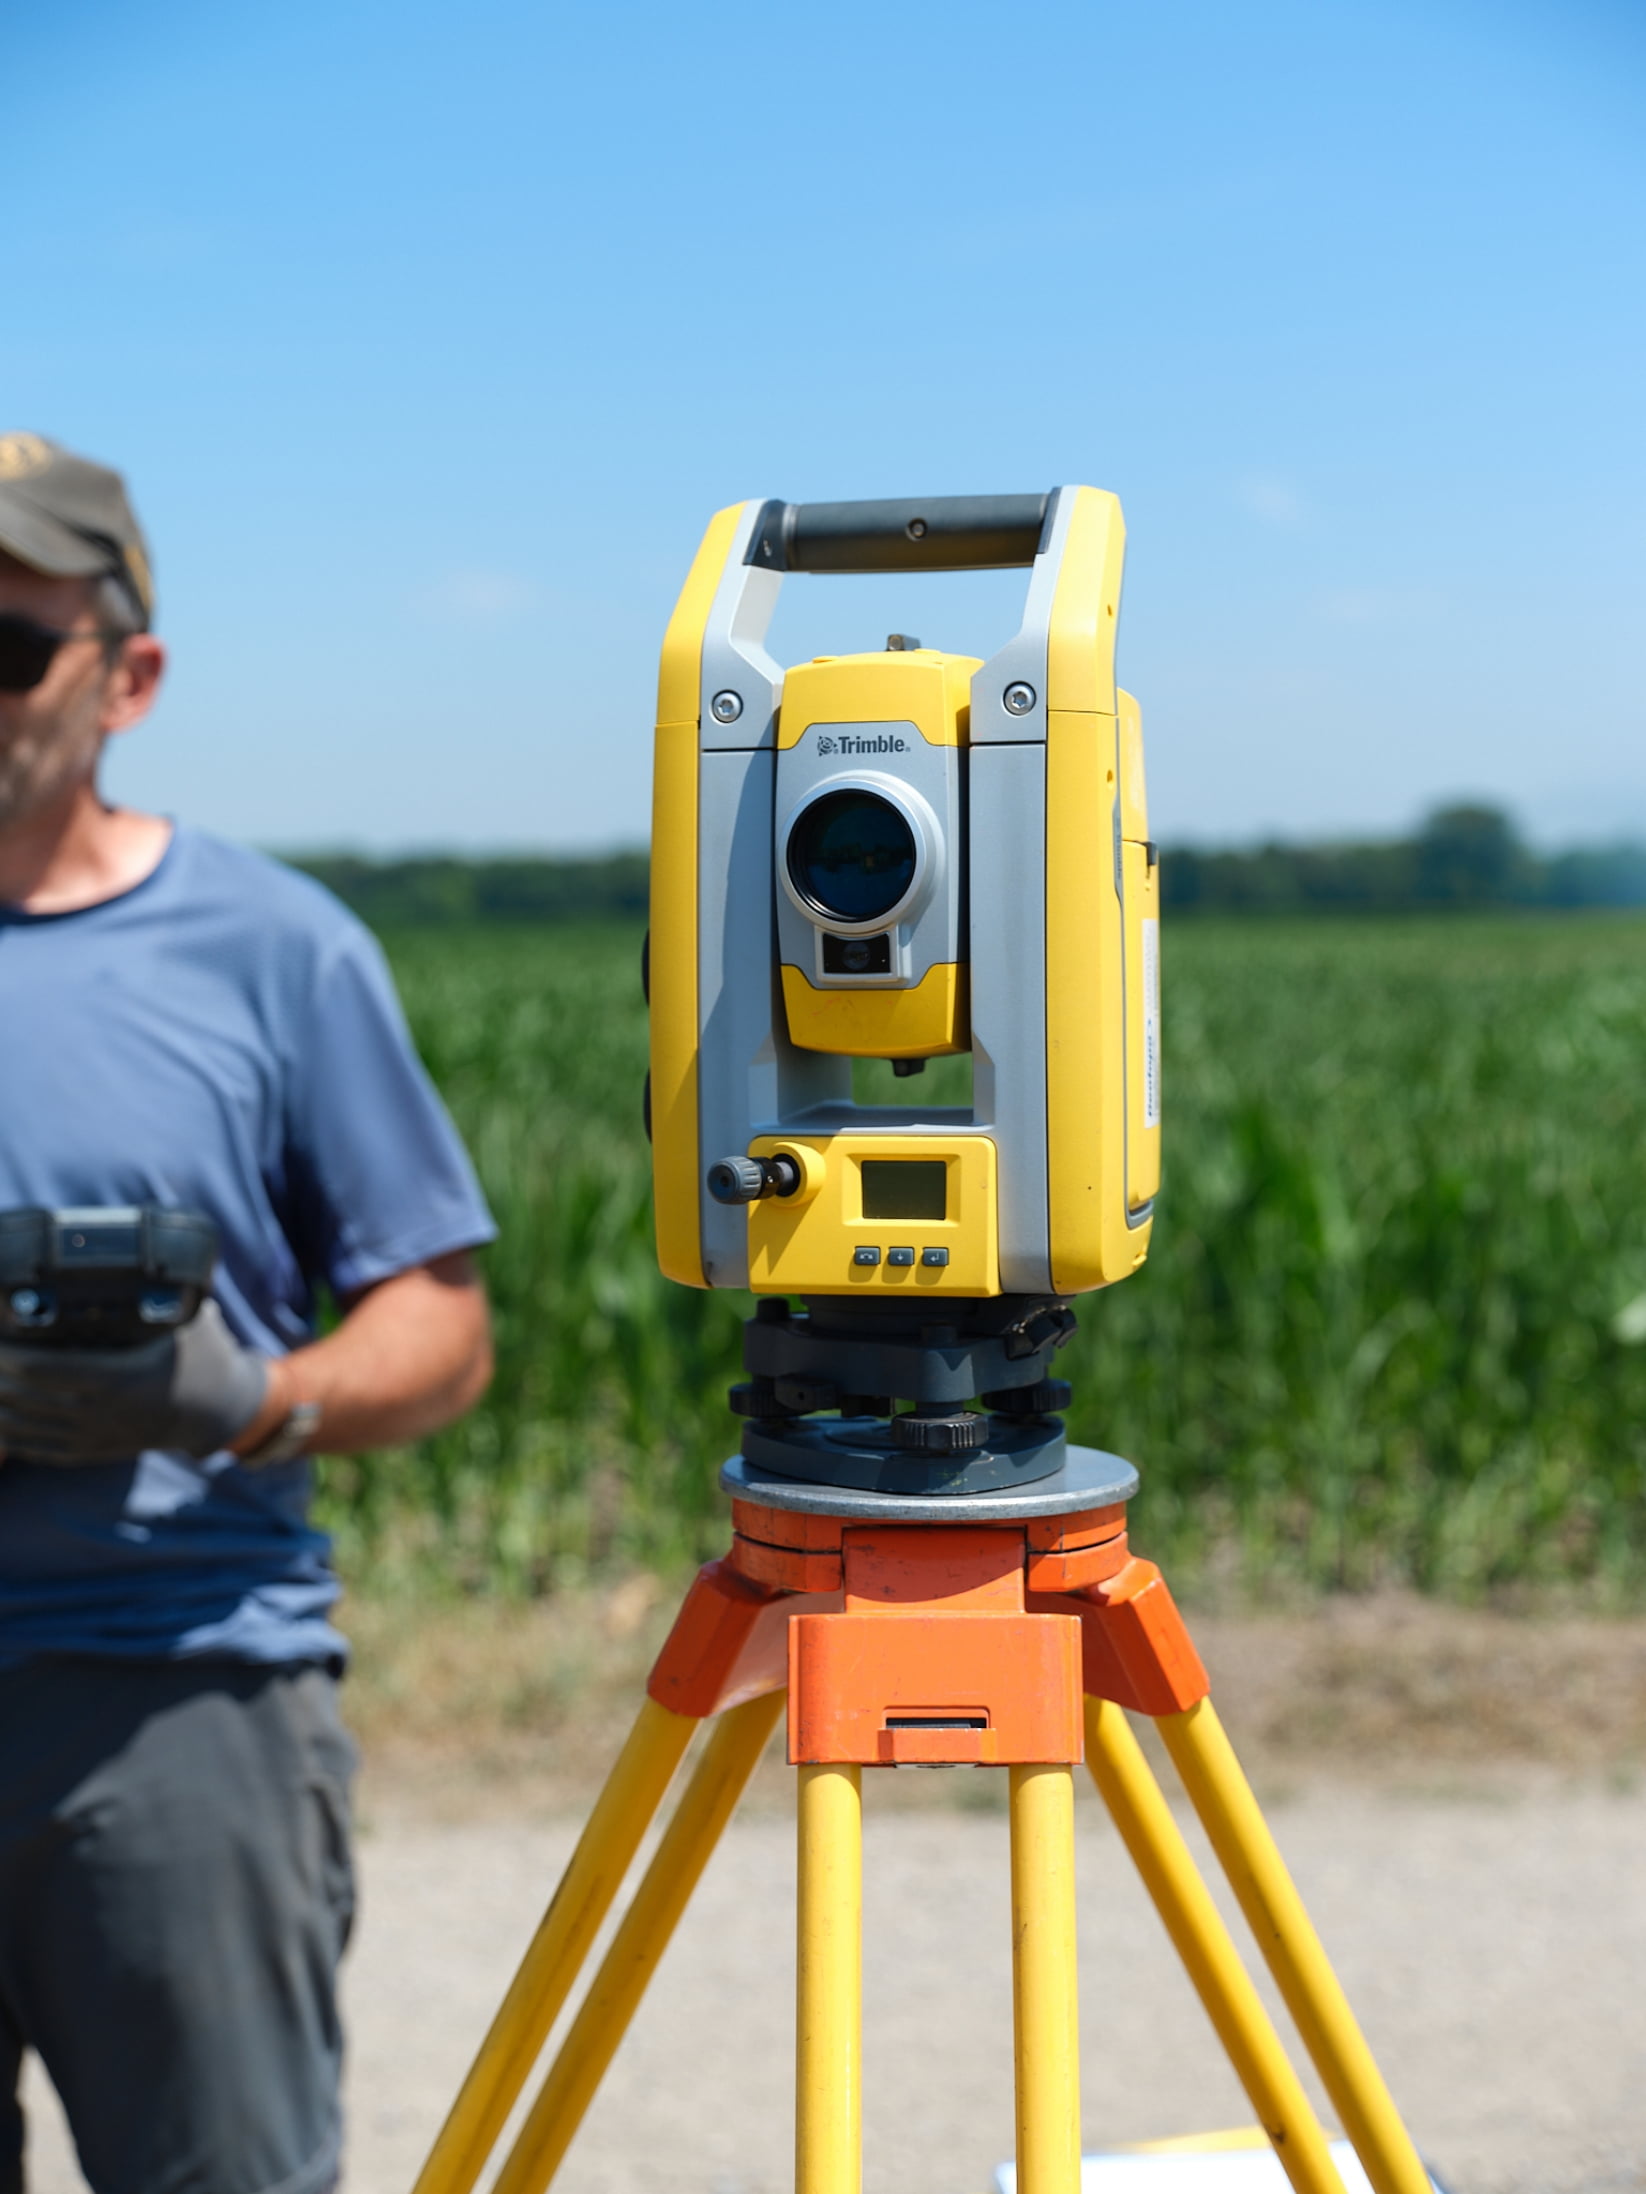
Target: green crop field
x=1393, y=1327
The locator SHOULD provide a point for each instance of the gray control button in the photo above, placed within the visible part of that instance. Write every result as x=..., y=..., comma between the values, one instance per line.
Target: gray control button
x=900, y=1256
x=934, y=1256
x=866, y=1254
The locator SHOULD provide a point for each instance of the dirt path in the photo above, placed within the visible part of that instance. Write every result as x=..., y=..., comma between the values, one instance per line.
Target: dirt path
x=1493, y=1941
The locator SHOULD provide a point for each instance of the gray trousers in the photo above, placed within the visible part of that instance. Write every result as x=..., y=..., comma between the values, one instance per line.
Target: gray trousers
x=175, y=1894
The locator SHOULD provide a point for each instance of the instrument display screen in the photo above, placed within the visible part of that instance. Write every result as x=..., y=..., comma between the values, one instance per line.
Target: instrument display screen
x=905, y=1188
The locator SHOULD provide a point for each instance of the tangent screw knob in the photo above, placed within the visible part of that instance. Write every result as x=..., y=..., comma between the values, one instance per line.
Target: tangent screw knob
x=737, y=1180
x=746, y=1180
x=956, y=1433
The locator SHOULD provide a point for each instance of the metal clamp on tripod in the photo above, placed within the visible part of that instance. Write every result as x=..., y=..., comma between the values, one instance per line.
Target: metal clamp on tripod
x=904, y=856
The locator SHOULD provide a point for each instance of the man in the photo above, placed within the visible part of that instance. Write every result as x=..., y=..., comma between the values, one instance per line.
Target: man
x=187, y=1024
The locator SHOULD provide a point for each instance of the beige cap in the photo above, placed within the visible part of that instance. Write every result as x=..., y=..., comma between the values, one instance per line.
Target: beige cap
x=71, y=518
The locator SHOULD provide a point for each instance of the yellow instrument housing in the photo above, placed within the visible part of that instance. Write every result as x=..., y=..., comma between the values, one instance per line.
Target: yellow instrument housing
x=918, y=686
x=805, y=1244
x=921, y=1023
x=1025, y=773
x=1102, y=1171
x=672, y=991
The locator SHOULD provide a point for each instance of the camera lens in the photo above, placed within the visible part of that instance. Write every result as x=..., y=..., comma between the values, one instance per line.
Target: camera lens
x=852, y=856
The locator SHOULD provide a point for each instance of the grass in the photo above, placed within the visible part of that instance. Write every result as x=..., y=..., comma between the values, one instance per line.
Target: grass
x=1392, y=1330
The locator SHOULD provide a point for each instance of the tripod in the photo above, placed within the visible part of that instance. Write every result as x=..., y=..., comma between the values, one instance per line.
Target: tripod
x=1004, y=1626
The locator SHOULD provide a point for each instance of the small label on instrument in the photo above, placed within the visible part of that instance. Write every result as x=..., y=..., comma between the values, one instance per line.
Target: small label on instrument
x=1151, y=1023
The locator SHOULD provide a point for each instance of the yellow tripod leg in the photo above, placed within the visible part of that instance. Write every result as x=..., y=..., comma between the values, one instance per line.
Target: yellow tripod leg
x=622, y=1813
x=1248, y=1854
x=1045, y=1994
x=727, y=1761
x=828, y=2088
x=1127, y=1786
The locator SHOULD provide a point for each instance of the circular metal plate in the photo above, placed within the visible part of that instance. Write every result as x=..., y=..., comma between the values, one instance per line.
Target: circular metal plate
x=1088, y=1479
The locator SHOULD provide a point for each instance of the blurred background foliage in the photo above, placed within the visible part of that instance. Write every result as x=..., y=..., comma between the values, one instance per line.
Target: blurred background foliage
x=1392, y=1328
x=1464, y=856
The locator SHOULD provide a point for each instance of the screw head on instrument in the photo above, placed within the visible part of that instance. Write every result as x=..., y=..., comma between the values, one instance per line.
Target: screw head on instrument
x=955, y=1432
x=726, y=707
x=737, y=1180
x=916, y=529
x=1019, y=698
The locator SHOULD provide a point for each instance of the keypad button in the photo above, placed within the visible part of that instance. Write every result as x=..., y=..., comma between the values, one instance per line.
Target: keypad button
x=900, y=1256
x=866, y=1254
x=934, y=1256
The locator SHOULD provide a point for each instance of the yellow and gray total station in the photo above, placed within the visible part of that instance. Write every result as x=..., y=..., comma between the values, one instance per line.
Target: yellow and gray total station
x=897, y=856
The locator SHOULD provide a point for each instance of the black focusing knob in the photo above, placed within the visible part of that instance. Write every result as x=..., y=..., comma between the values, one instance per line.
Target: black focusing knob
x=738, y=1181
x=747, y=1180
x=955, y=1433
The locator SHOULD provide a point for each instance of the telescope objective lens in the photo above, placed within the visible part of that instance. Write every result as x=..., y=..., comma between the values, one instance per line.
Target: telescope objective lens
x=852, y=856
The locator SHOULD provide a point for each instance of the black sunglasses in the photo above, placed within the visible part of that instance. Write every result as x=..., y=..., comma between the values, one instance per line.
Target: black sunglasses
x=27, y=648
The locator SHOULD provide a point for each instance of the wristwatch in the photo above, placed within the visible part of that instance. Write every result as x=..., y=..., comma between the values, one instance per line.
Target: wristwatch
x=291, y=1437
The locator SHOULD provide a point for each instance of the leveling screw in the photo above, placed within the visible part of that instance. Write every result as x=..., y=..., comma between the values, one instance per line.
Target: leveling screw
x=1040, y=1400
x=954, y=1432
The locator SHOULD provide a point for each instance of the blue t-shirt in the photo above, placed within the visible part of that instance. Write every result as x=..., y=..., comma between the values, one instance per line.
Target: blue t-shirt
x=224, y=1036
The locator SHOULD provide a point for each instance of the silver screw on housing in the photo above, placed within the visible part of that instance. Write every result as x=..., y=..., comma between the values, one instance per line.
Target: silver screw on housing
x=726, y=707
x=1019, y=698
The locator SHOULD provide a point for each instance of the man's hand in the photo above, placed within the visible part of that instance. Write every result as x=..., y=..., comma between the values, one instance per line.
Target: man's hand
x=191, y=1391
x=411, y=1354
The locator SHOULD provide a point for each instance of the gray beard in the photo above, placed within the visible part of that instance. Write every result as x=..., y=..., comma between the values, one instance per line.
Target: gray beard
x=40, y=765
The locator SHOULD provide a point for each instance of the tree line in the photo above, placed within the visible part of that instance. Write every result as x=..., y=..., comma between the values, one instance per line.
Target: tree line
x=1463, y=856
x=1460, y=857
x=440, y=888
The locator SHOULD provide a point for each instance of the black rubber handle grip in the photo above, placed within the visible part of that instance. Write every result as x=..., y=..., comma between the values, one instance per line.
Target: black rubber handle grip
x=942, y=533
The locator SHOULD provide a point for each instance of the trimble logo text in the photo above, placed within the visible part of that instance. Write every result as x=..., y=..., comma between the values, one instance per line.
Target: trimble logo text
x=854, y=742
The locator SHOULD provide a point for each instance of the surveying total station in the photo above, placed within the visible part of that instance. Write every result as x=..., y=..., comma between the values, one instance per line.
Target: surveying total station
x=899, y=856
x=896, y=856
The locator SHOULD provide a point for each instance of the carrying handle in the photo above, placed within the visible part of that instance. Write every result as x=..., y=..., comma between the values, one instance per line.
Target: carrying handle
x=941, y=533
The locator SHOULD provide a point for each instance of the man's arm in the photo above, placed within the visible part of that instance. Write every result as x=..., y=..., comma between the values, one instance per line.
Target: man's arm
x=411, y=1354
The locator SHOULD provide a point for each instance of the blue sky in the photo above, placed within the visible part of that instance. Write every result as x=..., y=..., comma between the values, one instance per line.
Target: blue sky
x=429, y=339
